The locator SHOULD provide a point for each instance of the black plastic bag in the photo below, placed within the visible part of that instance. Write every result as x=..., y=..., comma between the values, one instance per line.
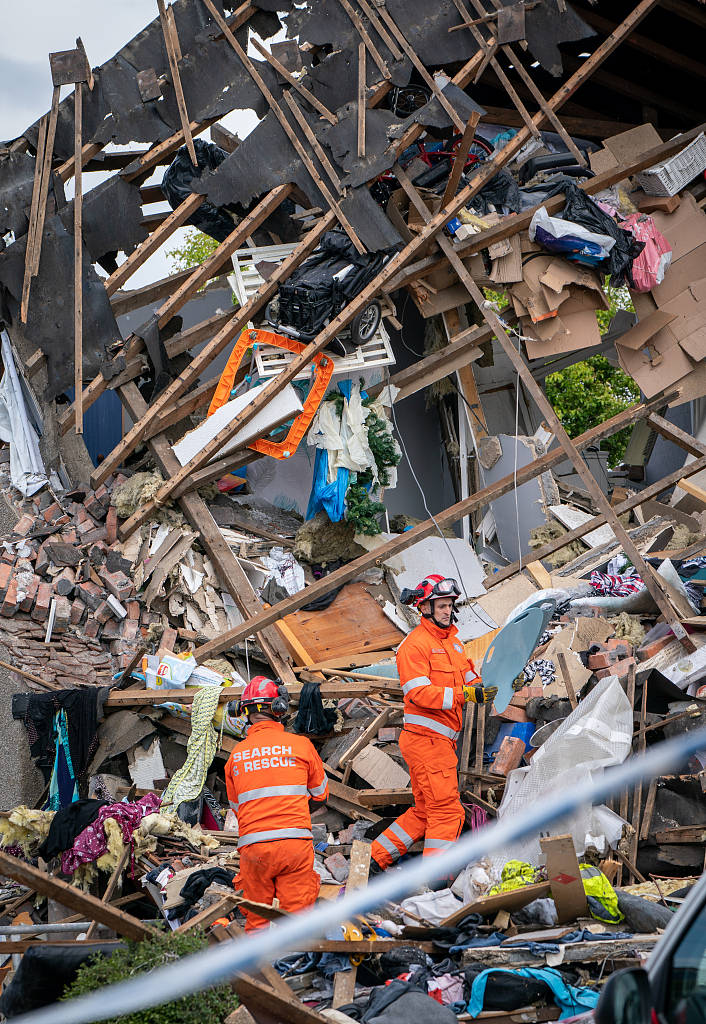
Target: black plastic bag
x=177, y=182
x=581, y=209
x=312, y=717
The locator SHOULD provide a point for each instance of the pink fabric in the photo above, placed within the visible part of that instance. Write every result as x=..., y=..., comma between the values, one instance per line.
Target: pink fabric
x=446, y=989
x=648, y=268
x=92, y=843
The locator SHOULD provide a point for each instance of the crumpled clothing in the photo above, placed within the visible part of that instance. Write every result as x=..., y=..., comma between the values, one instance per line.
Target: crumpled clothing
x=515, y=875
x=447, y=989
x=92, y=843
x=312, y=717
x=295, y=963
x=469, y=940
x=649, y=267
x=621, y=585
x=570, y=1000
x=196, y=885
x=188, y=781
x=546, y=669
x=332, y=964
x=67, y=824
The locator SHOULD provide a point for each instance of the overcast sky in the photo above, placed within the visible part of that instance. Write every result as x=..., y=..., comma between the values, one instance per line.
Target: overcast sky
x=31, y=29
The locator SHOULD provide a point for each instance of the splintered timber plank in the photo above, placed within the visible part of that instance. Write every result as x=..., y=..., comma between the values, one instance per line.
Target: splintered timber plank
x=142, y=253
x=227, y=566
x=294, y=82
x=460, y=158
x=313, y=141
x=361, y=100
x=171, y=42
x=344, y=981
x=225, y=335
x=364, y=35
x=279, y=114
x=675, y=434
x=78, y=258
x=67, y=895
x=32, y=226
x=188, y=285
x=419, y=532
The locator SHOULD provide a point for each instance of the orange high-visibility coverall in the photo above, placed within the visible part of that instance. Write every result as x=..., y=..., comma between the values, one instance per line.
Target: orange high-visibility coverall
x=270, y=777
x=433, y=669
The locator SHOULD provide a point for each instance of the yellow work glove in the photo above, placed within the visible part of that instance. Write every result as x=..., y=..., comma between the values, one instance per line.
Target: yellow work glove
x=519, y=681
x=480, y=694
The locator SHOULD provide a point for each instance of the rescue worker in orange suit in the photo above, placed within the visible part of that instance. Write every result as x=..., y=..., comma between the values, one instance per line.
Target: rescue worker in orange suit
x=271, y=777
x=437, y=680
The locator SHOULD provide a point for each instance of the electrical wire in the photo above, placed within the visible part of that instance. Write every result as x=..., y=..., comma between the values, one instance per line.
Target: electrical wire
x=488, y=622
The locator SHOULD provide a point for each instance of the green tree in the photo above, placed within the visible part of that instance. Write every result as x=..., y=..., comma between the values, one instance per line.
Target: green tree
x=193, y=250
x=209, y=1007
x=590, y=392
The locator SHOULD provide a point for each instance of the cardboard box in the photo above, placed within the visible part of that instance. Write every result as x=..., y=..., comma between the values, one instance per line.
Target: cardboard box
x=685, y=229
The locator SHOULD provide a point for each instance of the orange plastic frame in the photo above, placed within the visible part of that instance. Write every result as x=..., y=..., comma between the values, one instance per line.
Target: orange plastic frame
x=323, y=371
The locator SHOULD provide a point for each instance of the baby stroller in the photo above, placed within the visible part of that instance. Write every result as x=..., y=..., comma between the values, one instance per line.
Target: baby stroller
x=326, y=282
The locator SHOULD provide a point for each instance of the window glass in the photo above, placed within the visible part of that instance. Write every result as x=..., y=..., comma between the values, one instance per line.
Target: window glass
x=687, y=978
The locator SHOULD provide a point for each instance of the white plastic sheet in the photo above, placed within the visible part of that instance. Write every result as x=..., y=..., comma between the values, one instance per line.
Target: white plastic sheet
x=26, y=466
x=597, y=734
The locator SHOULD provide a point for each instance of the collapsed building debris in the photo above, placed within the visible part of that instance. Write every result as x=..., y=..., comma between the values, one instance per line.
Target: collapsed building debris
x=396, y=195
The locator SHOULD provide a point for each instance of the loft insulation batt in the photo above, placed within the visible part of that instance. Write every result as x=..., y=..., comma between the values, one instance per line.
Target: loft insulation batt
x=281, y=408
x=571, y=518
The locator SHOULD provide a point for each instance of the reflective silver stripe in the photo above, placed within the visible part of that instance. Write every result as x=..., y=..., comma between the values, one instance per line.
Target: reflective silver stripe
x=414, y=684
x=260, y=794
x=470, y=676
x=401, y=834
x=233, y=804
x=388, y=845
x=275, y=833
x=448, y=701
x=319, y=790
x=431, y=723
x=438, y=844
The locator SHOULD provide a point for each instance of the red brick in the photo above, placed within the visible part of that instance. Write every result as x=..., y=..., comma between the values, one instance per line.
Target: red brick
x=133, y=610
x=118, y=584
x=42, y=603
x=62, y=616
x=92, y=626
x=5, y=576
x=607, y=657
x=10, y=604
x=69, y=536
x=23, y=526
x=41, y=563
x=619, y=669
x=508, y=757
x=654, y=647
x=111, y=525
x=65, y=582
x=52, y=512
x=129, y=628
x=83, y=516
x=85, y=527
x=103, y=612
x=111, y=629
x=389, y=734
x=513, y=713
x=99, y=533
x=30, y=592
x=77, y=610
x=169, y=638
x=90, y=593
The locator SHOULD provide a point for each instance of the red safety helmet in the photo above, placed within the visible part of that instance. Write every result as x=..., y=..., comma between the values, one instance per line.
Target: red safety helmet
x=431, y=587
x=264, y=696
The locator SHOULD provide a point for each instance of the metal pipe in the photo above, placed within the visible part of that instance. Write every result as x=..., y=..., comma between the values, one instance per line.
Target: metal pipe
x=39, y=929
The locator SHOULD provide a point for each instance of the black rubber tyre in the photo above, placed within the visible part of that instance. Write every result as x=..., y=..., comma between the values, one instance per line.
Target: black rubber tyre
x=366, y=323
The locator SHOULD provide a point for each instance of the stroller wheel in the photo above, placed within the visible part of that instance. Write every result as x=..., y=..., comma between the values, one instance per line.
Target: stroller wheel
x=272, y=310
x=366, y=323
